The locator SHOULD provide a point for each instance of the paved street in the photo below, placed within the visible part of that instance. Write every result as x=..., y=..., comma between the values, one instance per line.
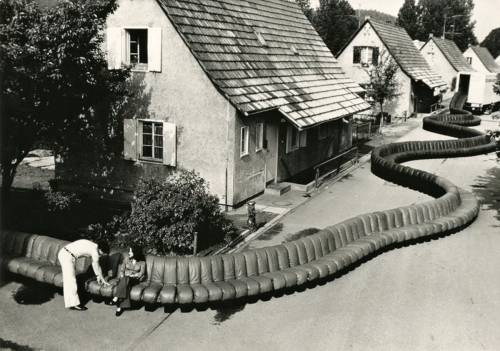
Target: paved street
x=438, y=295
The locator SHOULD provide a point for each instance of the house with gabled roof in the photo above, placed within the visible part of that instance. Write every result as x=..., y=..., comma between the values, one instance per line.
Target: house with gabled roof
x=245, y=92
x=481, y=60
x=444, y=56
x=420, y=86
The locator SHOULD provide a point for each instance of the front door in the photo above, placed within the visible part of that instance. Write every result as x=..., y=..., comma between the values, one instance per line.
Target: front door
x=271, y=151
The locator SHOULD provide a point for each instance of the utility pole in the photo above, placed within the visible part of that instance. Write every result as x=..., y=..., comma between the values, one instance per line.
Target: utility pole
x=452, y=26
x=359, y=15
x=444, y=27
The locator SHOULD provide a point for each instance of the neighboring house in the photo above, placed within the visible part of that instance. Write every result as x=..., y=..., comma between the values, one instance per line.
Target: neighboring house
x=481, y=60
x=244, y=92
x=419, y=85
x=497, y=60
x=418, y=44
x=445, y=57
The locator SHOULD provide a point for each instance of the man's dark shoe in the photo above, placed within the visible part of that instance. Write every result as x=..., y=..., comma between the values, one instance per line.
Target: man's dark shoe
x=112, y=303
x=78, y=308
x=118, y=313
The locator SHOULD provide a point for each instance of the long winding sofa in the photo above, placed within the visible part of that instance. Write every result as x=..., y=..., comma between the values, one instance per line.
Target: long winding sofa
x=197, y=280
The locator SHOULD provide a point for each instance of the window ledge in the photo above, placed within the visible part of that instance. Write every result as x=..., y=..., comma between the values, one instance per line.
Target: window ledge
x=243, y=155
x=155, y=162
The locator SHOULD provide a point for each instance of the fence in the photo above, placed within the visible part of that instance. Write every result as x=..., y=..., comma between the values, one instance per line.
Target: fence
x=436, y=107
x=334, y=165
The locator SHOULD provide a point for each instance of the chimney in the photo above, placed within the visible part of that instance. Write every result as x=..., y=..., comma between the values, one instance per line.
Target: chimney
x=431, y=35
x=367, y=18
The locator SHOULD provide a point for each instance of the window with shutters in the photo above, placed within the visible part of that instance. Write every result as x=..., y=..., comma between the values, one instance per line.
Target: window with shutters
x=148, y=140
x=140, y=47
x=366, y=55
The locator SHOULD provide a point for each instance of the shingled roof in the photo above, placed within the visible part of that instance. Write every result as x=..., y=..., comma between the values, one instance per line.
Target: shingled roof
x=486, y=58
x=265, y=54
x=402, y=49
x=453, y=54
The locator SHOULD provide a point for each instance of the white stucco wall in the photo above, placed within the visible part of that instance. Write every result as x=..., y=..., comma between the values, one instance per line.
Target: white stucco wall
x=476, y=62
x=368, y=37
x=440, y=64
x=183, y=94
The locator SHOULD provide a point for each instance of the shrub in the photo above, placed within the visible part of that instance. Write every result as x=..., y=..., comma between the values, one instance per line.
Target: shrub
x=58, y=201
x=107, y=232
x=453, y=83
x=166, y=215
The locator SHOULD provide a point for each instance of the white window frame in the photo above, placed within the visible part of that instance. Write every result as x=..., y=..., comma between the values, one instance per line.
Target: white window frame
x=141, y=141
x=289, y=139
x=469, y=59
x=244, y=134
x=367, y=55
x=138, y=66
x=259, y=137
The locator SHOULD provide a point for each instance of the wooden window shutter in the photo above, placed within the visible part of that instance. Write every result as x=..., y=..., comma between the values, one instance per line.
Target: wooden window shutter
x=130, y=139
x=114, y=47
x=356, y=58
x=169, y=144
x=303, y=138
x=375, y=55
x=154, y=49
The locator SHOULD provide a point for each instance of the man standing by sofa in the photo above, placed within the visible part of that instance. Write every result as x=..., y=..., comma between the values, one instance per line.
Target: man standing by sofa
x=67, y=258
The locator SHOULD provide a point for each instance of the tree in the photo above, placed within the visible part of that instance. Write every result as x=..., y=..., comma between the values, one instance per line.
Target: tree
x=56, y=86
x=408, y=18
x=492, y=42
x=335, y=21
x=430, y=17
x=305, y=6
x=383, y=85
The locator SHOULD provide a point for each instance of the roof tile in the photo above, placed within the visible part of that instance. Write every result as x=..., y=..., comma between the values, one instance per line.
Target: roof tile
x=406, y=54
x=486, y=58
x=307, y=86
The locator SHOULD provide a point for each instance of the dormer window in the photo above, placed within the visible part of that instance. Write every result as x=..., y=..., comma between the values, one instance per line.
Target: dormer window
x=294, y=50
x=260, y=38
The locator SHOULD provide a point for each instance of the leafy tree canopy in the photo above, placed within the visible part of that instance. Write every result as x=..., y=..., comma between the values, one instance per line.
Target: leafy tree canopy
x=335, y=21
x=409, y=17
x=429, y=18
x=56, y=86
x=492, y=42
x=383, y=85
x=376, y=15
x=305, y=6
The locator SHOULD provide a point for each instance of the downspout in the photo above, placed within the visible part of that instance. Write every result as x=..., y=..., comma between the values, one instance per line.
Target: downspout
x=227, y=153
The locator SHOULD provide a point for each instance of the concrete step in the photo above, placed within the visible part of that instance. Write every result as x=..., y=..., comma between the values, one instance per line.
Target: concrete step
x=277, y=189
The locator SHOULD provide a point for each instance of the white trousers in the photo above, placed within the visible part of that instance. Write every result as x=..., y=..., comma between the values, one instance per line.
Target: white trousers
x=70, y=289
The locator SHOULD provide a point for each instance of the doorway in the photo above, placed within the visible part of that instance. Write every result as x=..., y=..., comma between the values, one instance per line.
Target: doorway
x=271, y=151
